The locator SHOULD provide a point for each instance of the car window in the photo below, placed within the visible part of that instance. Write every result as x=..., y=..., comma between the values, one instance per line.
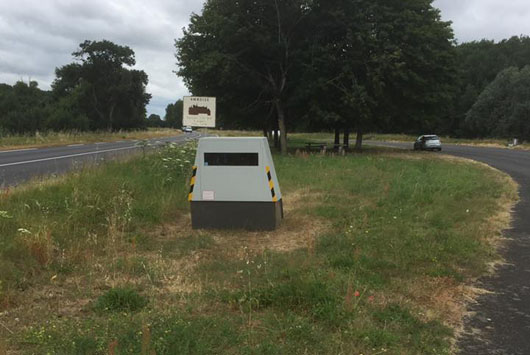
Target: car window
x=432, y=138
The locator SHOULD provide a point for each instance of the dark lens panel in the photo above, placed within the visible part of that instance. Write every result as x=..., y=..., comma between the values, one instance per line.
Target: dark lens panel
x=231, y=159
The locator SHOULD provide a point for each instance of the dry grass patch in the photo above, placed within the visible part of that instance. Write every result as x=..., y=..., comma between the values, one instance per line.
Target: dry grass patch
x=297, y=231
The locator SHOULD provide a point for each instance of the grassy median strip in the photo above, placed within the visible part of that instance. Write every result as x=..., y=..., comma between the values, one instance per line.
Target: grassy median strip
x=373, y=257
x=299, y=140
x=48, y=139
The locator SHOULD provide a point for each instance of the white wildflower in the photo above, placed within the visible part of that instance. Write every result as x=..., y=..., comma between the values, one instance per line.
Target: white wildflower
x=5, y=214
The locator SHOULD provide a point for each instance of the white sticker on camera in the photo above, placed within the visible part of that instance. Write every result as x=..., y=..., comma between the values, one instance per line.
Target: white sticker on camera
x=208, y=195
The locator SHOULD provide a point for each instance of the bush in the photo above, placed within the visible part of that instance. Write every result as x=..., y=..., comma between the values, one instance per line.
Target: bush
x=120, y=300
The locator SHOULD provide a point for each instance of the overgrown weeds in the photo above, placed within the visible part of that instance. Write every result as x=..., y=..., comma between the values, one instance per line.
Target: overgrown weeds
x=89, y=218
x=120, y=299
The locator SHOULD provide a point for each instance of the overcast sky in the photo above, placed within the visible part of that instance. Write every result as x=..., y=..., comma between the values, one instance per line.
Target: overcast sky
x=36, y=36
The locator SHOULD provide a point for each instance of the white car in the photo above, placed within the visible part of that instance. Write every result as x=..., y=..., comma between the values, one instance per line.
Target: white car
x=428, y=142
x=187, y=129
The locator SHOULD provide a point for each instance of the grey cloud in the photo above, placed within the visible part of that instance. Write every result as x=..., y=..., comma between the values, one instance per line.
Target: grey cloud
x=486, y=19
x=158, y=105
x=36, y=36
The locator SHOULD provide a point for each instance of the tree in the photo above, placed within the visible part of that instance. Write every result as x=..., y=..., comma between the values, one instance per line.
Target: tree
x=340, y=64
x=154, y=120
x=65, y=113
x=503, y=108
x=22, y=108
x=174, y=113
x=246, y=53
x=111, y=96
x=479, y=63
x=382, y=64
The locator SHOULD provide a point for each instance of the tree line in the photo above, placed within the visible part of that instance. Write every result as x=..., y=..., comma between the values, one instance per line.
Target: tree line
x=98, y=91
x=492, y=74
x=172, y=118
x=346, y=66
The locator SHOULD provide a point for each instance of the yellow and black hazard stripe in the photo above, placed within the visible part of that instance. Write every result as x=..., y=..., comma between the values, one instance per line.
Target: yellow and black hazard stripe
x=192, y=183
x=271, y=184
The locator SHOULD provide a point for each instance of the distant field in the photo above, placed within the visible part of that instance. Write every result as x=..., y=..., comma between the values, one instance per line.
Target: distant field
x=328, y=137
x=299, y=139
x=64, y=138
x=375, y=256
x=477, y=142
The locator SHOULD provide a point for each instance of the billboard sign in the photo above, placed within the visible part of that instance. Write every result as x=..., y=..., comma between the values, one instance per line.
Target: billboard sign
x=199, y=111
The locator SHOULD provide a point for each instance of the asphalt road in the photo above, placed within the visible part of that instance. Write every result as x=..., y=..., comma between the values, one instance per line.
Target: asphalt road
x=18, y=166
x=500, y=321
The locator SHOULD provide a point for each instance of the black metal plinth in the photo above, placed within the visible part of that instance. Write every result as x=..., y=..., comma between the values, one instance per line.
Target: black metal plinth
x=236, y=215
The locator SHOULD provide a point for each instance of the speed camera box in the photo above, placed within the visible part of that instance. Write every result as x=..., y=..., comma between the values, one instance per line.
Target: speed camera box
x=234, y=185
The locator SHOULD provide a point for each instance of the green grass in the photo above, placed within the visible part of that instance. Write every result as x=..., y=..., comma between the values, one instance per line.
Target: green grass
x=120, y=300
x=400, y=230
x=445, y=139
x=299, y=140
x=45, y=139
x=60, y=227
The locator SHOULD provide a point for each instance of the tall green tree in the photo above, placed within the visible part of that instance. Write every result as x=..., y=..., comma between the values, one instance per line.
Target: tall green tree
x=174, y=113
x=65, y=113
x=479, y=63
x=382, y=64
x=503, y=108
x=349, y=64
x=110, y=95
x=23, y=108
x=154, y=120
x=246, y=53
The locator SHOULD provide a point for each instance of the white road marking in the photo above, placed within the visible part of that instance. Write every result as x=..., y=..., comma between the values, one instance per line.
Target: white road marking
x=75, y=145
x=17, y=150
x=65, y=156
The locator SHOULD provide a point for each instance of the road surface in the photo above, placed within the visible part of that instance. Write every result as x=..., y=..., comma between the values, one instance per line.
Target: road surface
x=18, y=166
x=501, y=320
